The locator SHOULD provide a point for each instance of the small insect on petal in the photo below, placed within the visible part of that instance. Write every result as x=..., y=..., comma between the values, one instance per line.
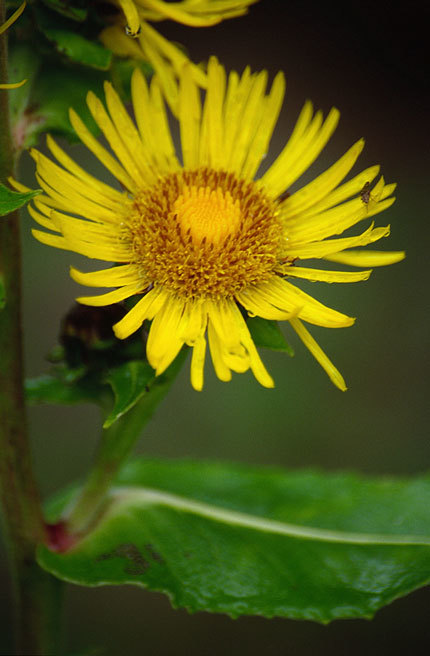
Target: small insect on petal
x=133, y=33
x=365, y=194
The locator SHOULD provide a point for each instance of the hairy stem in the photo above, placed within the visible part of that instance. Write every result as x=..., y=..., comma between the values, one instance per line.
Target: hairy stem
x=22, y=513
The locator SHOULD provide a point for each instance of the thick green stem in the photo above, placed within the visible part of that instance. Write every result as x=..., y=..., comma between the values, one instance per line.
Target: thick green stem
x=23, y=520
x=115, y=446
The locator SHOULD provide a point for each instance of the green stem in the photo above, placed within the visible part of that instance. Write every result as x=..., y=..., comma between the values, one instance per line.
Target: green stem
x=115, y=446
x=34, y=589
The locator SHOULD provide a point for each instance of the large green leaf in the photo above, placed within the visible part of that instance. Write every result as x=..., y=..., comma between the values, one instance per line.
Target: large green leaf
x=242, y=540
x=13, y=200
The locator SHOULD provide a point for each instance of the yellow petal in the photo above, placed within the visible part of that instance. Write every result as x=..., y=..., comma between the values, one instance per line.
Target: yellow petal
x=146, y=308
x=221, y=369
x=260, y=144
x=327, y=276
x=367, y=258
x=114, y=139
x=105, y=194
x=287, y=297
x=100, y=152
x=198, y=363
x=111, y=297
x=124, y=274
x=311, y=193
x=13, y=85
x=319, y=355
x=332, y=246
x=189, y=119
x=132, y=17
x=12, y=18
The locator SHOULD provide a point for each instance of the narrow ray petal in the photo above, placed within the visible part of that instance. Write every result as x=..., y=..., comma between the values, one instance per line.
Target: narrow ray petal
x=319, y=355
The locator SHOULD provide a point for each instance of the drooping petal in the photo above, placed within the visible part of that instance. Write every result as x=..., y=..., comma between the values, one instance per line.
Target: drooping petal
x=146, y=308
x=111, y=297
x=319, y=355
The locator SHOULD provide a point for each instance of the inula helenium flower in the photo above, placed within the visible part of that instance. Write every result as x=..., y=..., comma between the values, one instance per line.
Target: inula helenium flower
x=133, y=36
x=199, y=239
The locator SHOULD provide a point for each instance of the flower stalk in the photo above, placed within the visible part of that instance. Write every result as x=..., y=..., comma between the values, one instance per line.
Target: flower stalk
x=115, y=446
x=35, y=591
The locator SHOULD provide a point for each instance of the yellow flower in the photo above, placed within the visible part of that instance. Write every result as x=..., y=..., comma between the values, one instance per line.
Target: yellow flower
x=147, y=44
x=202, y=243
x=3, y=28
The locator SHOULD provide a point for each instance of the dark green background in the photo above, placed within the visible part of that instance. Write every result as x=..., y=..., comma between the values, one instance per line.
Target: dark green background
x=368, y=61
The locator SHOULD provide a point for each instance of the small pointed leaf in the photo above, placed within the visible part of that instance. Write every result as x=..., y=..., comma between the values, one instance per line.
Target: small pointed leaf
x=268, y=334
x=129, y=383
x=13, y=200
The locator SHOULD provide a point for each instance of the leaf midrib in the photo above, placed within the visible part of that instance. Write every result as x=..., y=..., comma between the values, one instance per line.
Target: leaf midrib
x=140, y=496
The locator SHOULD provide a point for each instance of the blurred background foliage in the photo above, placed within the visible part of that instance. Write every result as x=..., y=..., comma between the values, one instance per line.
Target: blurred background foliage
x=369, y=63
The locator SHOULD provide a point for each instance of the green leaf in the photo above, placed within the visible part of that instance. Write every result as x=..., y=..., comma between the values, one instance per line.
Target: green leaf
x=51, y=110
x=23, y=64
x=53, y=389
x=129, y=383
x=67, y=9
x=268, y=334
x=79, y=49
x=67, y=41
x=13, y=200
x=242, y=540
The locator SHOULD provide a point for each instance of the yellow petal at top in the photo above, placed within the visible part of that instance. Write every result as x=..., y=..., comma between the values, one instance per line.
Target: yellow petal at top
x=259, y=145
x=306, y=143
x=197, y=13
x=152, y=121
x=189, y=119
x=247, y=122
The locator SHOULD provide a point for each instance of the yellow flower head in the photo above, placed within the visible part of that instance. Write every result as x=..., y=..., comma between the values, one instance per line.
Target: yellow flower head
x=147, y=44
x=198, y=239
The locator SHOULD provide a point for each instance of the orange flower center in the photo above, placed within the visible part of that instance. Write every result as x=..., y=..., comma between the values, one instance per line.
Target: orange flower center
x=205, y=233
x=207, y=213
